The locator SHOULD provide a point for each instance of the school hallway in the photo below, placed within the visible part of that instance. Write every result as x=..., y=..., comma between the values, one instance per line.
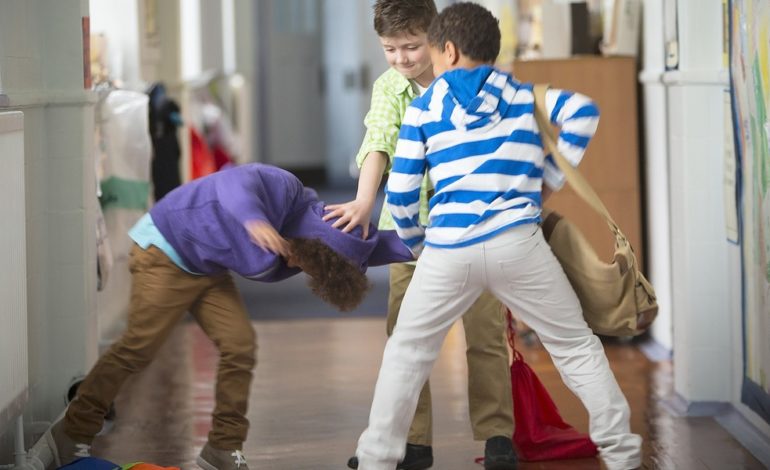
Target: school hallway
x=312, y=390
x=107, y=105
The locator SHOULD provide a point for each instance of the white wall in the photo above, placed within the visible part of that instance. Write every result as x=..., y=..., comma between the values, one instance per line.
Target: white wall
x=696, y=271
x=42, y=61
x=192, y=63
x=699, y=250
x=345, y=91
x=657, y=170
x=212, y=37
x=164, y=62
x=245, y=24
x=118, y=21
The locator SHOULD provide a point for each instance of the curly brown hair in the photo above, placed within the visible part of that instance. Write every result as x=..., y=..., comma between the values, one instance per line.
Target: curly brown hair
x=472, y=29
x=396, y=17
x=332, y=277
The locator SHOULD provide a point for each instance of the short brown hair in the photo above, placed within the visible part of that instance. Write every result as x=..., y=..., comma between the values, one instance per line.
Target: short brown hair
x=332, y=277
x=470, y=27
x=395, y=17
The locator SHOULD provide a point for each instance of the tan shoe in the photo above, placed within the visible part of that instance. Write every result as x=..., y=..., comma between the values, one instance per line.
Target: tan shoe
x=216, y=459
x=64, y=449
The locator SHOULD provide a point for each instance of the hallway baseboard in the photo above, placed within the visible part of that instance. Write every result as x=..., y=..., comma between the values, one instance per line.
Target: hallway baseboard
x=654, y=351
x=745, y=432
x=728, y=416
x=679, y=407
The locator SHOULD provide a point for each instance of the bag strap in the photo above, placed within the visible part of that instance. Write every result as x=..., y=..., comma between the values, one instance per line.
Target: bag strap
x=512, y=336
x=574, y=177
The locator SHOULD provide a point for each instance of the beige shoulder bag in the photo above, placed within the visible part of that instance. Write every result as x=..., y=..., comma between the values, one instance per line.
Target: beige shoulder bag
x=617, y=299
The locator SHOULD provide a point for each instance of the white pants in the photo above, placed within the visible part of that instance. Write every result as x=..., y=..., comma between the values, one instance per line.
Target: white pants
x=519, y=268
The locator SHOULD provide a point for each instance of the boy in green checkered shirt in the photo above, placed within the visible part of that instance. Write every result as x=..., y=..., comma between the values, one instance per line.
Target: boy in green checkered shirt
x=402, y=27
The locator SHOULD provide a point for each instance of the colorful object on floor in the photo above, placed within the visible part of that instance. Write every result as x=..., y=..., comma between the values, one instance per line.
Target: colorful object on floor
x=93, y=463
x=540, y=432
x=146, y=466
x=90, y=463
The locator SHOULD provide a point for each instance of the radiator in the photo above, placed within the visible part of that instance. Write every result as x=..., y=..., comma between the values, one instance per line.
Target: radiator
x=13, y=271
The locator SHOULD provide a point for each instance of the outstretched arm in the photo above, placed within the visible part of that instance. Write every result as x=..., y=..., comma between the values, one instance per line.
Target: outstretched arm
x=382, y=122
x=578, y=118
x=267, y=237
x=359, y=211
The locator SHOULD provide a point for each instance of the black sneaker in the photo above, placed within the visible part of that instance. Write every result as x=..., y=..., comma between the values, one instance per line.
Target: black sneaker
x=417, y=457
x=499, y=454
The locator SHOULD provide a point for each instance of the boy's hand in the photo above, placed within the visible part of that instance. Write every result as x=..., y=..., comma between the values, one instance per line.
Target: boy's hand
x=351, y=214
x=266, y=237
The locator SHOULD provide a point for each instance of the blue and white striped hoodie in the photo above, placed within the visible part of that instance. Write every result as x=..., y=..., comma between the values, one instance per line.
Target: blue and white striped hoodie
x=475, y=133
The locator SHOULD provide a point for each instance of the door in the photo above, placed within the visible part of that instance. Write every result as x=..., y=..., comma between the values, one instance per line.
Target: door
x=290, y=110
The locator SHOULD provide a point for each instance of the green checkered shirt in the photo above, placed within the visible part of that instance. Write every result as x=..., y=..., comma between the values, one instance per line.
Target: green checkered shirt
x=391, y=95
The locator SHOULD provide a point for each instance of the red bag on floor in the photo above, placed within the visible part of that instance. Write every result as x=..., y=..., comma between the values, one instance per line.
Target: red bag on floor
x=540, y=432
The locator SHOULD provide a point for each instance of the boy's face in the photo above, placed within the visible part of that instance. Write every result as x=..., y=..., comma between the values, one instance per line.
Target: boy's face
x=408, y=54
x=439, y=61
x=448, y=59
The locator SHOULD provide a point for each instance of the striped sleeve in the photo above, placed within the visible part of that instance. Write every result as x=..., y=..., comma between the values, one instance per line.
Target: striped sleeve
x=578, y=118
x=404, y=183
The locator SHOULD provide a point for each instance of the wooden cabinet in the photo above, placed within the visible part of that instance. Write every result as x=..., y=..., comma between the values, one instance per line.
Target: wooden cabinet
x=611, y=163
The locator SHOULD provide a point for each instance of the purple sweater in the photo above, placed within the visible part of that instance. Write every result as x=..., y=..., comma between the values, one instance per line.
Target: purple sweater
x=204, y=221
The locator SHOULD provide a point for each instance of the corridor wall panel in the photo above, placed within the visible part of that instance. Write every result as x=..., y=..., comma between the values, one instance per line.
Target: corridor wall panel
x=14, y=375
x=750, y=76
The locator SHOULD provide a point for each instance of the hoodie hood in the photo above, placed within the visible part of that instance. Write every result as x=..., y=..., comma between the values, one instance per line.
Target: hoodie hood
x=382, y=247
x=474, y=94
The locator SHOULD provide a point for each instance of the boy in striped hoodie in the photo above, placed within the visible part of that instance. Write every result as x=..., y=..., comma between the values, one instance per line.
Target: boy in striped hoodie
x=402, y=27
x=474, y=131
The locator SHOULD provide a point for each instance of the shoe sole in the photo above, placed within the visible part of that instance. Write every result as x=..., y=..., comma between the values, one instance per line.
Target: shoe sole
x=49, y=440
x=418, y=465
x=500, y=466
x=204, y=465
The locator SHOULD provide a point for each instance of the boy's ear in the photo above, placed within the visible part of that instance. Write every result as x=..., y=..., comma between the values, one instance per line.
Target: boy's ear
x=451, y=53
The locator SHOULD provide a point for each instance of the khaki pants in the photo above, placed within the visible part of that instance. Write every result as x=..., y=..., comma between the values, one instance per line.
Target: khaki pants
x=489, y=376
x=161, y=293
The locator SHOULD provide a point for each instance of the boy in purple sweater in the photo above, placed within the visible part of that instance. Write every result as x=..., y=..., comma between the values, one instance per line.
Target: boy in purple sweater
x=256, y=220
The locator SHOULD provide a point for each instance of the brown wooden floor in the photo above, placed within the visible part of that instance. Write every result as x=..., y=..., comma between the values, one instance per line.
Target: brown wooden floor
x=312, y=390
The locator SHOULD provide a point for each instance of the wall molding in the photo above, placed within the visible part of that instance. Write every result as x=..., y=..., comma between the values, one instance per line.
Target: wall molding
x=729, y=417
x=39, y=98
x=651, y=76
x=746, y=433
x=655, y=351
x=11, y=121
x=679, y=407
x=719, y=77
